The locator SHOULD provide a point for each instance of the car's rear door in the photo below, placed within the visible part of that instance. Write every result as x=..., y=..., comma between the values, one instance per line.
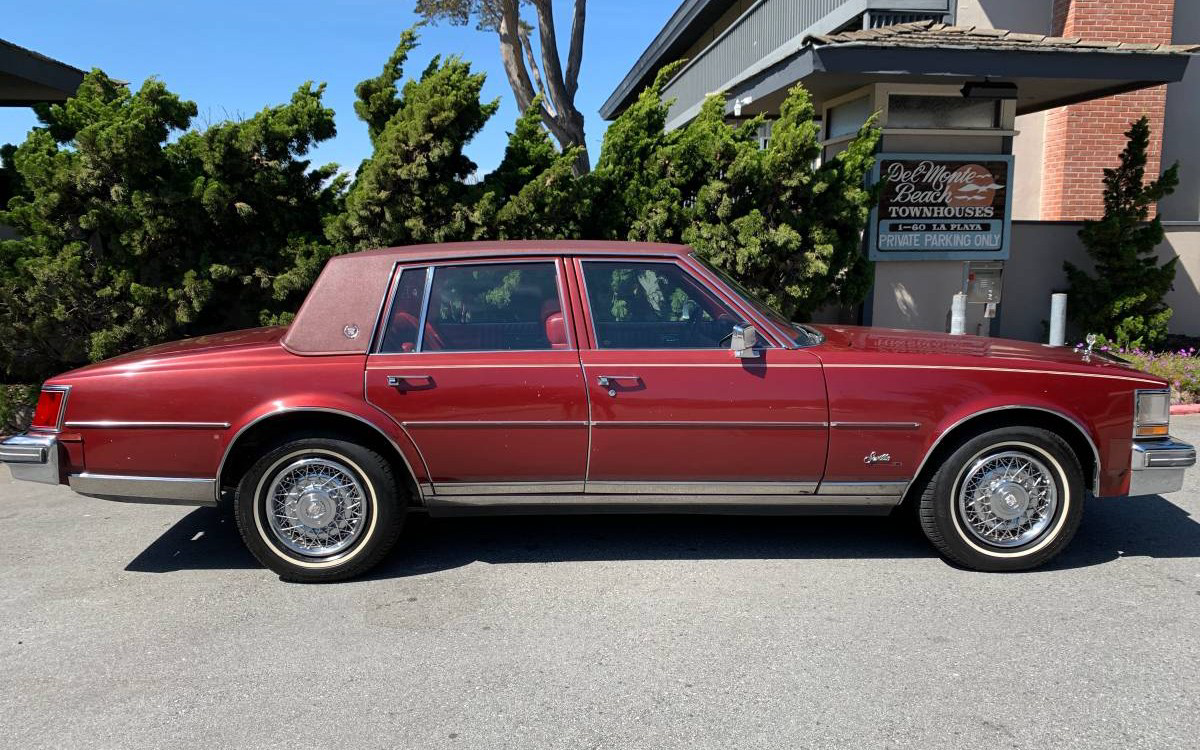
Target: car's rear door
x=475, y=359
x=673, y=411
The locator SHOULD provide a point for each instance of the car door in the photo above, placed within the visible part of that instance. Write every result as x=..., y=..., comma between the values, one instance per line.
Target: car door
x=673, y=411
x=476, y=362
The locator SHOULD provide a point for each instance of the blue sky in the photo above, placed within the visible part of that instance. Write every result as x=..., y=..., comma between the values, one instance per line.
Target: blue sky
x=234, y=58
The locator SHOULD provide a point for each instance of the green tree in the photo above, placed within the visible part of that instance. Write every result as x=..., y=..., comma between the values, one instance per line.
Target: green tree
x=414, y=187
x=1123, y=302
x=534, y=192
x=544, y=82
x=784, y=223
x=127, y=237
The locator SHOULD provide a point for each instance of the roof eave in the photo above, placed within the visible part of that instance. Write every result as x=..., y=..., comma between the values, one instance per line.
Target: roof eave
x=684, y=26
x=1113, y=72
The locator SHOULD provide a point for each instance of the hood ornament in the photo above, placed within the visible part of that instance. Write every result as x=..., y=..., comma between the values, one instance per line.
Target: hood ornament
x=1091, y=340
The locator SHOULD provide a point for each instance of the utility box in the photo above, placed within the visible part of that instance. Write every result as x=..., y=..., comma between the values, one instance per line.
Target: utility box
x=982, y=281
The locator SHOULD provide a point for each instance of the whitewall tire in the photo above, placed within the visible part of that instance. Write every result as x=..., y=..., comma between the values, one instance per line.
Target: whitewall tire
x=1007, y=499
x=318, y=508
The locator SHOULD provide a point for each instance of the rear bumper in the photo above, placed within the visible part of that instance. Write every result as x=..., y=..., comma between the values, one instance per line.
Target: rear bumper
x=1158, y=466
x=33, y=458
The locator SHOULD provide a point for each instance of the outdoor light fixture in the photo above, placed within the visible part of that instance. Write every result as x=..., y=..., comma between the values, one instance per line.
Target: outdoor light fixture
x=986, y=89
x=745, y=101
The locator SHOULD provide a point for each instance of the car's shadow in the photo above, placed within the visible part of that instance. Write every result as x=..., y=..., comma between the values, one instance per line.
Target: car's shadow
x=1133, y=527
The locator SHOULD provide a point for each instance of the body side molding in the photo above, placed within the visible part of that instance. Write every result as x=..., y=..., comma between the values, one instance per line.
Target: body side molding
x=140, y=489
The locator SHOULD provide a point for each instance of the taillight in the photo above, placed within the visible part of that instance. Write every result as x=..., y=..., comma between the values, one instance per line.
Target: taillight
x=49, y=409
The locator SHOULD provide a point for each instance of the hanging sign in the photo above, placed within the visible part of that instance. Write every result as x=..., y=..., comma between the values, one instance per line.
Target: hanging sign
x=942, y=207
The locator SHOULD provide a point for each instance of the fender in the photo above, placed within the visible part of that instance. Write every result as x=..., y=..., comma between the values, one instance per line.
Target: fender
x=957, y=417
x=356, y=410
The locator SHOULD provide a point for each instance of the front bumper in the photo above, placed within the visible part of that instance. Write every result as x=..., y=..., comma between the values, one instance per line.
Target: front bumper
x=1158, y=466
x=33, y=458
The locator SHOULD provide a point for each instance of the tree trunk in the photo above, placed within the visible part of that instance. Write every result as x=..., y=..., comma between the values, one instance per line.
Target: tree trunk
x=558, y=111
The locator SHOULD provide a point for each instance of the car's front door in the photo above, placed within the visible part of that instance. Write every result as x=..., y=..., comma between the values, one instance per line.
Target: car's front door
x=673, y=411
x=476, y=363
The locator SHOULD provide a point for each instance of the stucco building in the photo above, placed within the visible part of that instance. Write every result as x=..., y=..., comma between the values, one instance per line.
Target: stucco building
x=1021, y=104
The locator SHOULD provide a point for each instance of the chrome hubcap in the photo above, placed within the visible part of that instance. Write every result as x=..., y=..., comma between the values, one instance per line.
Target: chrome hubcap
x=316, y=507
x=1007, y=499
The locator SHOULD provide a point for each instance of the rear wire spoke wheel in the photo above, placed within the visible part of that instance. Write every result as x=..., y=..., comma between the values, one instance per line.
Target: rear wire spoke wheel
x=316, y=507
x=1006, y=499
x=319, y=509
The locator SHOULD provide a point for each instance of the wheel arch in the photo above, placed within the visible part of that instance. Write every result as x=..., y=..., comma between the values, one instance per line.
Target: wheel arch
x=1065, y=426
x=242, y=450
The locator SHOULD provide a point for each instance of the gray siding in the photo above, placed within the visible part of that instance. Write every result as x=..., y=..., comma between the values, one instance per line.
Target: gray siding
x=767, y=32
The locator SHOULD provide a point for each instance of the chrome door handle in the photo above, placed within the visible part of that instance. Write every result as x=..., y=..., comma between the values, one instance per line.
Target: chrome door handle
x=396, y=381
x=608, y=381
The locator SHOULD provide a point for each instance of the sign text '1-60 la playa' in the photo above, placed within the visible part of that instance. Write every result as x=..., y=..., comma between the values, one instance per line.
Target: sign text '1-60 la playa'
x=942, y=207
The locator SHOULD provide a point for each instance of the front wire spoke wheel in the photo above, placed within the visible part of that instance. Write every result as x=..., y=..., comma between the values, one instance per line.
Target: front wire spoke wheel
x=1007, y=499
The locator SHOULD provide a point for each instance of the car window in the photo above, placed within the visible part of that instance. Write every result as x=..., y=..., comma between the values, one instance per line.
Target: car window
x=400, y=333
x=495, y=306
x=792, y=330
x=654, y=306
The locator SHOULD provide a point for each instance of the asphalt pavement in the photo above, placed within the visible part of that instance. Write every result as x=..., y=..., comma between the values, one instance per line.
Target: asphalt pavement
x=131, y=626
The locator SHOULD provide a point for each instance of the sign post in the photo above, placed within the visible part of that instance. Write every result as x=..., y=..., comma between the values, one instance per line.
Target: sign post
x=942, y=207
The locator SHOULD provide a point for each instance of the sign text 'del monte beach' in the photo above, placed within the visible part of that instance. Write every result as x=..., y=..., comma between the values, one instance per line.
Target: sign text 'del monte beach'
x=942, y=207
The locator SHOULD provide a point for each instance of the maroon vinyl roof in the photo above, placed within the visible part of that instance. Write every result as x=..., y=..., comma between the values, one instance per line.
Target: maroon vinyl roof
x=450, y=250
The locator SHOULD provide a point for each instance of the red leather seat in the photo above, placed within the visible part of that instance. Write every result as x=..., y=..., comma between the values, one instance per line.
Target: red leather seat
x=403, y=329
x=556, y=325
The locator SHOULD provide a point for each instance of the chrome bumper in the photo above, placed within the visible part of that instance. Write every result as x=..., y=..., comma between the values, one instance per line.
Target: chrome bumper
x=33, y=458
x=1158, y=466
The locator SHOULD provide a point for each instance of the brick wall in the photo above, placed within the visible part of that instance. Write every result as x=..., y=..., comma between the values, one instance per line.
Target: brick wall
x=1083, y=139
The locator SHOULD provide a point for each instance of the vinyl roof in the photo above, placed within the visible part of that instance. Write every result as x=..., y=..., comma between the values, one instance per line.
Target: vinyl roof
x=452, y=250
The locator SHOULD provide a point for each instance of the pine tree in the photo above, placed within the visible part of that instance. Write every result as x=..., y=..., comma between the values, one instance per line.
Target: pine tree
x=133, y=229
x=1123, y=302
x=785, y=224
x=413, y=188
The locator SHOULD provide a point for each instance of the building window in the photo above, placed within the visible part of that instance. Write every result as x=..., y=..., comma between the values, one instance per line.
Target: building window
x=942, y=112
x=847, y=118
x=763, y=134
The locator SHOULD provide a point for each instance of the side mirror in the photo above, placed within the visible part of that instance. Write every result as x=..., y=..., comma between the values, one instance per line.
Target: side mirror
x=743, y=341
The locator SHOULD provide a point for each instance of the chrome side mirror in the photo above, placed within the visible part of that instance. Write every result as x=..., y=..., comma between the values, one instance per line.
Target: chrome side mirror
x=743, y=341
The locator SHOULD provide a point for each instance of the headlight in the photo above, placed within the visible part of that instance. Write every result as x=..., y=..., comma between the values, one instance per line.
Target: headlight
x=1152, y=413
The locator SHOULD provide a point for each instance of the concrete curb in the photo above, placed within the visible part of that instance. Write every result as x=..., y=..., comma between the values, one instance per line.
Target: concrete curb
x=1185, y=409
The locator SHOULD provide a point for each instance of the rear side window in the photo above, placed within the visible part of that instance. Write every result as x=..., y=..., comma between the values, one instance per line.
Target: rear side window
x=403, y=323
x=484, y=307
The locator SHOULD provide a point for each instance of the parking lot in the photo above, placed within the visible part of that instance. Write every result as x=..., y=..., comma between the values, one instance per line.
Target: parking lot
x=148, y=626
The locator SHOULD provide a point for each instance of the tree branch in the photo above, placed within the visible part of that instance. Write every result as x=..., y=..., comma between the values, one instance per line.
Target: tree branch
x=510, y=53
x=533, y=68
x=550, y=62
x=575, y=55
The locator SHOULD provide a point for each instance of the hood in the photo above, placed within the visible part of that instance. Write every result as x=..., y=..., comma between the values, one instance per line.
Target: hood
x=922, y=343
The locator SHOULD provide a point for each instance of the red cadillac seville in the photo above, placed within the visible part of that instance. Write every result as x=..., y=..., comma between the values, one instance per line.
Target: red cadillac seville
x=545, y=376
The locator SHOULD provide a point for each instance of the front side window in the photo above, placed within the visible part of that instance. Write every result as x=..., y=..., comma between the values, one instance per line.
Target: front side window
x=484, y=307
x=654, y=306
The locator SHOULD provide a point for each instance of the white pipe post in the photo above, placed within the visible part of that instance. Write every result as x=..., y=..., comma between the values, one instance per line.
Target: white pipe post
x=1058, y=319
x=958, y=314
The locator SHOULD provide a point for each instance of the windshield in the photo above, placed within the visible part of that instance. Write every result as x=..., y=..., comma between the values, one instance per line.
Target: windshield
x=799, y=334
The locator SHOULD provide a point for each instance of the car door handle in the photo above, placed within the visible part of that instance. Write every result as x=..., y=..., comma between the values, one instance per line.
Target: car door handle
x=397, y=381
x=609, y=381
